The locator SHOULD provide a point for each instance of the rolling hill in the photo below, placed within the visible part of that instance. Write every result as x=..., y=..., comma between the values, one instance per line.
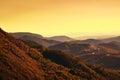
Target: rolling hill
x=36, y=38
x=105, y=54
x=88, y=41
x=22, y=34
x=116, y=39
x=112, y=45
x=76, y=48
x=61, y=38
x=21, y=62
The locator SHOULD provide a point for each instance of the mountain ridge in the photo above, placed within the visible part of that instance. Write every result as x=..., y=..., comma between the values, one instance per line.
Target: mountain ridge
x=61, y=38
x=20, y=62
x=36, y=38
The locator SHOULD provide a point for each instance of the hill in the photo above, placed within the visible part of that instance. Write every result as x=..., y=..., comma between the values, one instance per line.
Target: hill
x=36, y=38
x=78, y=67
x=61, y=38
x=116, y=39
x=33, y=44
x=20, y=62
x=107, y=61
x=15, y=63
x=104, y=54
x=76, y=48
x=88, y=41
x=112, y=45
x=22, y=34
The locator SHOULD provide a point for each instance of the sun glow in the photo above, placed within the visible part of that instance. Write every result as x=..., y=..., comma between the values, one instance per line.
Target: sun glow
x=61, y=17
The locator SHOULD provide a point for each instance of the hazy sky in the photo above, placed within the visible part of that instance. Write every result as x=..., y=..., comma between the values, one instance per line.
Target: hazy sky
x=61, y=17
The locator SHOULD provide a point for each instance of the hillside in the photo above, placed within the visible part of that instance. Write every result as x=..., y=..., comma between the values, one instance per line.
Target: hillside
x=36, y=38
x=14, y=62
x=88, y=41
x=33, y=44
x=105, y=54
x=78, y=67
x=20, y=62
x=112, y=45
x=22, y=34
x=61, y=38
x=103, y=60
x=116, y=39
x=76, y=48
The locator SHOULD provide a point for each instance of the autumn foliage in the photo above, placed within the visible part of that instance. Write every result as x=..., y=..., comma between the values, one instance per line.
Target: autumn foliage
x=20, y=62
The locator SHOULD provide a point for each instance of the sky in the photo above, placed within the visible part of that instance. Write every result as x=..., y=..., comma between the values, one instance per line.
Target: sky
x=73, y=18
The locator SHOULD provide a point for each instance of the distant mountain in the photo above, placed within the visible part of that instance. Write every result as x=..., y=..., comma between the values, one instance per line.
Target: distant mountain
x=98, y=41
x=95, y=37
x=116, y=39
x=36, y=38
x=22, y=34
x=20, y=62
x=61, y=38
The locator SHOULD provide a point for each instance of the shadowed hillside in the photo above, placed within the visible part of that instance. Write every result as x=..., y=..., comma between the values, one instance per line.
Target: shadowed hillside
x=80, y=68
x=33, y=44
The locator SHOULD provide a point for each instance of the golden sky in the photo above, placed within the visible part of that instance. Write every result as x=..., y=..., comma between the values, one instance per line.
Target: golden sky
x=61, y=17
